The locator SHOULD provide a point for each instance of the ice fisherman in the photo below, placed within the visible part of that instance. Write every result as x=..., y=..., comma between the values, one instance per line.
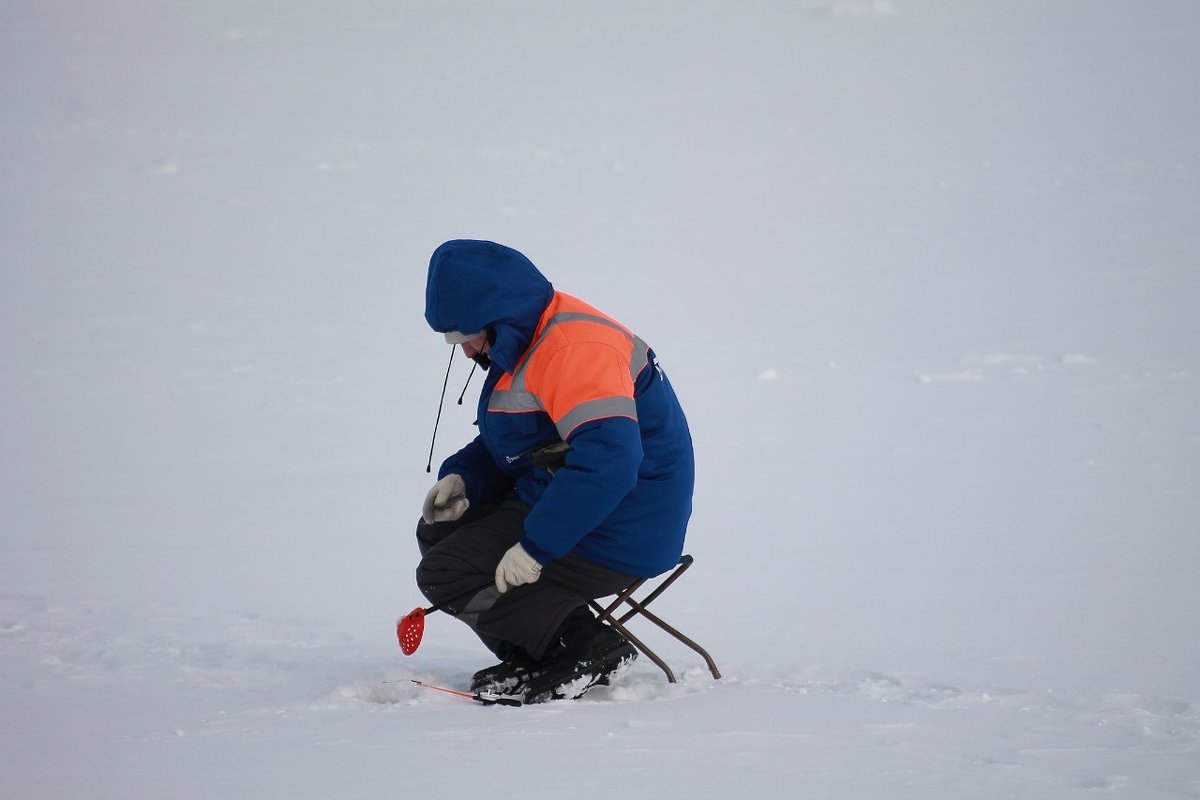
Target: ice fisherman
x=579, y=481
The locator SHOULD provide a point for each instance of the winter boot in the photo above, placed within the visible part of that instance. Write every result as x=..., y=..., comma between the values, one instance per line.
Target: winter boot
x=506, y=678
x=588, y=654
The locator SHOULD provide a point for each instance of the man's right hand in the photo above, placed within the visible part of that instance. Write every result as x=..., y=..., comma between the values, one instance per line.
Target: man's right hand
x=446, y=501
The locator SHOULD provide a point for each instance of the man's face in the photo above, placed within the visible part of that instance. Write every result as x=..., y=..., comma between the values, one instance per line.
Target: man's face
x=476, y=346
x=477, y=350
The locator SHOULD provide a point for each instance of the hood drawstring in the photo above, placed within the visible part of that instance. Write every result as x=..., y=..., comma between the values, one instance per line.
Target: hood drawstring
x=441, y=401
x=468, y=383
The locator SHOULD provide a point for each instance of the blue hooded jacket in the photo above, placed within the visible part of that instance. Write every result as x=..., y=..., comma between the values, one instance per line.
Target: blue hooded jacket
x=624, y=496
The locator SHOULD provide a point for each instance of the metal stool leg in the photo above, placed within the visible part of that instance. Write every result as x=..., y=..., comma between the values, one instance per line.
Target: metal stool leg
x=639, y=644
x=606, y=614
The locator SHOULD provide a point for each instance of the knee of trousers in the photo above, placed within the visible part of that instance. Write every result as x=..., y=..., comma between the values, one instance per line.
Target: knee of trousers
x=437, y=568
x=428, y=574
x=427, y=535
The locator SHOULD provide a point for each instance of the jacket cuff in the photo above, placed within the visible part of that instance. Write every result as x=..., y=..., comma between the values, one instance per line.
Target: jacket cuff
x=539, y=555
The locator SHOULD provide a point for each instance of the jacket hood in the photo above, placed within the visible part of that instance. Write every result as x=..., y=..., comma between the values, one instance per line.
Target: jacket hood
x=473, y=285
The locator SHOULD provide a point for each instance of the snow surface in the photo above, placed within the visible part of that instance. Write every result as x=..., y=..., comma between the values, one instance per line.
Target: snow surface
x=926, y=275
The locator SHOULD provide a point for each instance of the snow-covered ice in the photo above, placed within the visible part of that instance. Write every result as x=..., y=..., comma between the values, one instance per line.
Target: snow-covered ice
x=925, y=275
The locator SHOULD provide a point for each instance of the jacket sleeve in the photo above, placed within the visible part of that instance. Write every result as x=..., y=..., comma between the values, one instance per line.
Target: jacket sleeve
x=587, y=390
x=484, y=479
x=601, y=469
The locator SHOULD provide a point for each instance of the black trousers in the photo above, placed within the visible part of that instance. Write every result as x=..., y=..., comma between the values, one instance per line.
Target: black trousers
x=458, y=568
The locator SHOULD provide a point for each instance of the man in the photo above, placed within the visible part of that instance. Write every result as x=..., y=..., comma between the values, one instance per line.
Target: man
x=579, y=481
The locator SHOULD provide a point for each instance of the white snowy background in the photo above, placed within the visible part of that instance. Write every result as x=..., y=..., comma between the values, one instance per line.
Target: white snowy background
x=925, y=273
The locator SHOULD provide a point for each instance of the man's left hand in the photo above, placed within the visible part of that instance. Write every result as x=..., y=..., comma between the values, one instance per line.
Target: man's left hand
x=516, y=569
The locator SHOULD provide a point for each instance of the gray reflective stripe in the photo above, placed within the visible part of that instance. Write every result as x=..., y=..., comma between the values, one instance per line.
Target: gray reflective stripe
x=510, y=401
x=478, y=604
x=596, y=409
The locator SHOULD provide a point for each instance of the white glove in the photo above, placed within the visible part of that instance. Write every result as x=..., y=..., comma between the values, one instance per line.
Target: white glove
x=446, y=501
x=516, y=568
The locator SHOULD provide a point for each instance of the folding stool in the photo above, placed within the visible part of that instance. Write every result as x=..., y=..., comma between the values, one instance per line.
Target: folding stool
x=638, y=608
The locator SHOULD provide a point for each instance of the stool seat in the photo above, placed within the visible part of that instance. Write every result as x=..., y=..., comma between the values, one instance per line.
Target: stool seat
x=637, y=608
